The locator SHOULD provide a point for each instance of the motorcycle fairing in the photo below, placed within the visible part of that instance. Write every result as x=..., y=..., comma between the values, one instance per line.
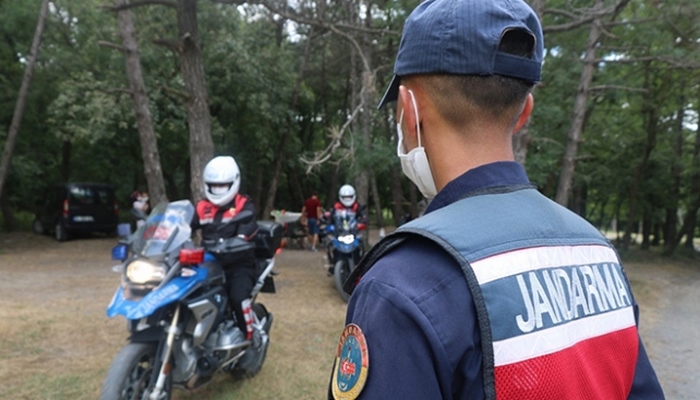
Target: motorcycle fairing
x=172, y=291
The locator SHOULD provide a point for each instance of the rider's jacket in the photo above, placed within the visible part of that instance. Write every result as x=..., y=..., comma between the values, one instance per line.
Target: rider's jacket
x=340, y=206
x=544, y=309
x=353, y=209
x=209, y=217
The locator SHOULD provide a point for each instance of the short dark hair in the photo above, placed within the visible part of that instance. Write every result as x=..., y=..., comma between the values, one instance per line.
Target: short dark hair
x=497, y=95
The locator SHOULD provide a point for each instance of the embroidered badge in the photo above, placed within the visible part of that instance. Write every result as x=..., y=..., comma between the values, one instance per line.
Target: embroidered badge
x=351, y=364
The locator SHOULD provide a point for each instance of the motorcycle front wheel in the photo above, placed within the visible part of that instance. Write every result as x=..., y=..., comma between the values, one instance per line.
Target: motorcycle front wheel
x=341, y=271
x=131, y=373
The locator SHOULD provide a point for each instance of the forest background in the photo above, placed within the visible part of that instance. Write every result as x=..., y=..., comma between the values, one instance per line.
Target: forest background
x=141, y=93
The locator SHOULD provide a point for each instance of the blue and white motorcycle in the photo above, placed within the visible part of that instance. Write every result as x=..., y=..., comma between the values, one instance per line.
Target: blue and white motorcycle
x=345, y=246
x=182, y=329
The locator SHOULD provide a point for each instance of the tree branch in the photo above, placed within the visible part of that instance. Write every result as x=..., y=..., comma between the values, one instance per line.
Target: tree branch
x=673, y=62
x=117, y=90
x=336, y=136
x=173, y=45
x=177, y=92
x=578, y=18
x=319, y=23
x=617, y=87
x=111, y=45
x=139, y=3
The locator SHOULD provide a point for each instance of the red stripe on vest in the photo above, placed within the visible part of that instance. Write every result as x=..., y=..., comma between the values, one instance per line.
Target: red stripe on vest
x=574, y=374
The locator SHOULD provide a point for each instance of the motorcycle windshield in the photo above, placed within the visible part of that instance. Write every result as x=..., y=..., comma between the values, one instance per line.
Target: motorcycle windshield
x=166, y=229
x=345, y=221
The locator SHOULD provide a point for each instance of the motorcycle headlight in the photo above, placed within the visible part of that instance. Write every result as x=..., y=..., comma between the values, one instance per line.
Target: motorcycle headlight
x=141, y=271
x=347, y=239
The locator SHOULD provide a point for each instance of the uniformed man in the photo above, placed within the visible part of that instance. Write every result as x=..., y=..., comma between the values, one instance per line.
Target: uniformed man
x=496, y=292
x=214, y=214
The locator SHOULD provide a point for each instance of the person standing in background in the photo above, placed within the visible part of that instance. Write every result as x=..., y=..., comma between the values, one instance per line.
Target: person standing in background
x=311, y=212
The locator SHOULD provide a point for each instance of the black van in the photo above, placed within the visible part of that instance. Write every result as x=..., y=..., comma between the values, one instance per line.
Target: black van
x=77, y=208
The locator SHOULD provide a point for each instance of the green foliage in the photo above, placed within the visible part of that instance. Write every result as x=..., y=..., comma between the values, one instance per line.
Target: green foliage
x=79, y=123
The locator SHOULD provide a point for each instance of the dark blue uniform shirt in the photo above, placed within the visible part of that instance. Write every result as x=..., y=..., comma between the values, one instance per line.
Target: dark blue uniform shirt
x=418, y=316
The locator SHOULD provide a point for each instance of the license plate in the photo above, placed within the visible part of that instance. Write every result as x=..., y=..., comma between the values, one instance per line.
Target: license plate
x=83, y=218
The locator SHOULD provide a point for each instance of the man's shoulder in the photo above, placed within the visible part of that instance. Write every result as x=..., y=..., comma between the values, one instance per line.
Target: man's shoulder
x=416, y=265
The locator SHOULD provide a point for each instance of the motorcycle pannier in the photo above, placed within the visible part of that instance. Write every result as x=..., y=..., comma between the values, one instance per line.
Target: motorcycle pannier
x=268, y=239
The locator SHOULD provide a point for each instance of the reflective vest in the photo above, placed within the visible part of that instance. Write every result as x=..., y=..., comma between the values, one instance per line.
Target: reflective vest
x=206, y=211
x=554, y=307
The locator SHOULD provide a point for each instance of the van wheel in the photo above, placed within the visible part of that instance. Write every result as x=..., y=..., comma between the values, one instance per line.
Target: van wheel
x=37, y=227
x=60, y=233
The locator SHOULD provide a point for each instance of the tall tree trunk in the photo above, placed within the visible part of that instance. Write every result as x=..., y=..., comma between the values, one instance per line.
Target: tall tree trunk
x=521, y=139
x=377, y=202
x=139, y=98
x=21, y=104
x=691, y=216
x=8, y=216
x=396, y=195
x=198, y=117
x=576, y=129
x=333, y=186
x=66, y=155
x=279, y=163
x=651, y=127
x=646, y=229
x=675, y=191
x=413, y=201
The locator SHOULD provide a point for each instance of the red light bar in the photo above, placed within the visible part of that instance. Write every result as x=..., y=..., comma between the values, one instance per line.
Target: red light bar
x=191, y=256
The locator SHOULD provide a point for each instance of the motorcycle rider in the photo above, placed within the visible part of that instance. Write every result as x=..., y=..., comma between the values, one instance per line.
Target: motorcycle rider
x=347, y=202
x=222, y=180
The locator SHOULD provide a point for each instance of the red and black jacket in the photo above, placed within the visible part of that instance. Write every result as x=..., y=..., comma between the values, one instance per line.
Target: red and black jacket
x=209, y=217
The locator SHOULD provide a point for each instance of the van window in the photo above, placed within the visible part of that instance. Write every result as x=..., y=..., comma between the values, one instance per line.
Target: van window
x=82, y=195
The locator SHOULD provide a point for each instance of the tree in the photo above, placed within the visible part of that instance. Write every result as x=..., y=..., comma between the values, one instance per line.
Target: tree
x=139, y=96
x=22, y=97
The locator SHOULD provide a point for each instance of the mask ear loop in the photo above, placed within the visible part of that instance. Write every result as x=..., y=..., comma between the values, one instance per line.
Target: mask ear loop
x=399, y=144
x=415, y=109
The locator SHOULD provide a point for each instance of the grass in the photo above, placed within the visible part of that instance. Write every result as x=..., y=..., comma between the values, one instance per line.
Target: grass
x=57, y=343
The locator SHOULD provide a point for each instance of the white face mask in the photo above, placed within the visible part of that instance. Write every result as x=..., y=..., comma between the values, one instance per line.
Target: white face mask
x=415, y=163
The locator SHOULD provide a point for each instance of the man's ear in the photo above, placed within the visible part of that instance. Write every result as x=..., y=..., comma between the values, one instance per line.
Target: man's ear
x=525, y=113
x=409, y=114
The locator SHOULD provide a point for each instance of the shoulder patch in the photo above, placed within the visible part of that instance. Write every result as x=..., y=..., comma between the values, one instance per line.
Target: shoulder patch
x=351, y=364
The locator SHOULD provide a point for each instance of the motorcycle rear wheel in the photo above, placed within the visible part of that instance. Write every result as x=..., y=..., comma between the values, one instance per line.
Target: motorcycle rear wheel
x=129, y=376
x=341, y=271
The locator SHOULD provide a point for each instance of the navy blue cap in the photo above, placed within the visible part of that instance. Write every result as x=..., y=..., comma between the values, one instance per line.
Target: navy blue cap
x=461, y=37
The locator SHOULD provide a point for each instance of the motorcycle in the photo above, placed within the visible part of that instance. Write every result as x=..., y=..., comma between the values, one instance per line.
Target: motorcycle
x=182, y=329
x=345, y=246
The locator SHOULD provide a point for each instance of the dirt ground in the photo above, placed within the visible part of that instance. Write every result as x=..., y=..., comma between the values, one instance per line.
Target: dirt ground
x=57, y=343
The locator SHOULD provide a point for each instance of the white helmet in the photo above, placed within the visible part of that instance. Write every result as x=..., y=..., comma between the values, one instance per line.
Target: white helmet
x=222, y=179
x=347, y=195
